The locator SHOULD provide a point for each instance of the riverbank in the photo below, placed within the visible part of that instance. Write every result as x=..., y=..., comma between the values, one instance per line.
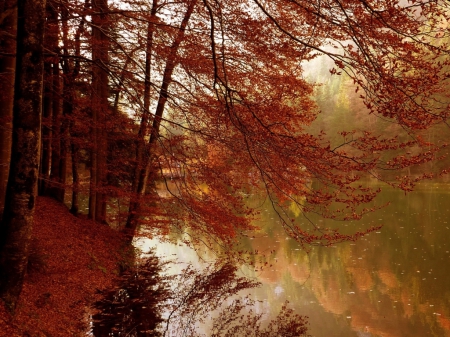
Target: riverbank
x=71, y=260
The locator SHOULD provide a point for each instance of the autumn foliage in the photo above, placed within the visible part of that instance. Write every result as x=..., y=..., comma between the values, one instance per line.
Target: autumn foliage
x=192, y=106
x=71, y=259
x=191, y=303
x=74, y=287
x=164, y=117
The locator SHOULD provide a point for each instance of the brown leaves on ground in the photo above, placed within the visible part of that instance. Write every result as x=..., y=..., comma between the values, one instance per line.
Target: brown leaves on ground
x=71, y=259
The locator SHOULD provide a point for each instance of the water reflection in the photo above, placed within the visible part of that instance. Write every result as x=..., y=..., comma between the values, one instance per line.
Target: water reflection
x=395, y=282
x=151, y=303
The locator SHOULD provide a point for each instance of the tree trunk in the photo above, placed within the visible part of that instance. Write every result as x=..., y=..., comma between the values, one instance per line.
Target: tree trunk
x=51, y=93
x=57, y=155
x=8, y=29
x=23, y=177
x=75, y=180
x=61, y=191
x=141, y=159
x=69, y=132
x=70, y=76
x=145, y=164
x=46, y=148
x=56, y=135
x=100, y=106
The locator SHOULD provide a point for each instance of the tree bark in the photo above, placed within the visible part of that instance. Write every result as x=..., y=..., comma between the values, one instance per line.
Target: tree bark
x=46, y=148
x=8, y=27
x=23, y=177
x=56, y=134
x=68, y=106
x=75, y=180
x=70, y=76
x=57, y=175
x=100, y=106
x=68, y=125
x=51, y=101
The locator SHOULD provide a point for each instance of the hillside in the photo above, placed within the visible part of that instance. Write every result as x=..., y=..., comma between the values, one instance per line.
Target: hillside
x=71, y=260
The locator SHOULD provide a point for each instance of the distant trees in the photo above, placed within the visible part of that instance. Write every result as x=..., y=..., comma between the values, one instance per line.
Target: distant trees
x=168, y=113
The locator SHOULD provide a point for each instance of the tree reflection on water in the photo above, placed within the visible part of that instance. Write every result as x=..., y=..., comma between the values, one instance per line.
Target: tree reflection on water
x=147, y=302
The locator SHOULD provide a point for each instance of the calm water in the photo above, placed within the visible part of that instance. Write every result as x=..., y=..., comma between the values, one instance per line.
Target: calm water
x=395, y=282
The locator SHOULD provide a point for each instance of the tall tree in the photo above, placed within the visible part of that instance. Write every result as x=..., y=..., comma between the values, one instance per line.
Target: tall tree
x=145, y=152
x=55, y=149
x=8, y=27
x=218, y=89
x=223, y=109
x=257, y=121
x=100, y=109
x=51, y=109
x=22, y=184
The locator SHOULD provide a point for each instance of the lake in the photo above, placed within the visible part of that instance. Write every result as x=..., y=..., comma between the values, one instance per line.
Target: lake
x=393, y=282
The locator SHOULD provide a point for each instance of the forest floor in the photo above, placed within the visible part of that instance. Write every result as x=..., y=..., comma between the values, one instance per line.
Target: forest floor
x=71, y=261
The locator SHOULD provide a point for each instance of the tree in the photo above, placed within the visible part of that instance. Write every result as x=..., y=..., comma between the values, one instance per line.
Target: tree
x=224, y=83
x=100, y=47
x=8, y=26
x=145, y=152
x=211, y=104
x=50, y=96
x=136, y=306
x=149, y=303
x=238, y=110
x=22, y=184
x=237, y=103
x=54, y=138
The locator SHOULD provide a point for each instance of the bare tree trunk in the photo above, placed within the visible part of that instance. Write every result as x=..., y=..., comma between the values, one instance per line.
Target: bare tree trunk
x=56, y=134
x=70, y=90
x=69, y=143
x=57, y=176
x=67, y=129
x=100, y=106
x=46, y=148
x=50, y=42
x=93, y=169
x=8, y=27
x=147, y=160
x=61, y=191
x=23, y=178
x=75, y=180
x=143, y=128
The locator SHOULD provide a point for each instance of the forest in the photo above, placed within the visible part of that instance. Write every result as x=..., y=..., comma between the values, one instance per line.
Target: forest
x=159, y=118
